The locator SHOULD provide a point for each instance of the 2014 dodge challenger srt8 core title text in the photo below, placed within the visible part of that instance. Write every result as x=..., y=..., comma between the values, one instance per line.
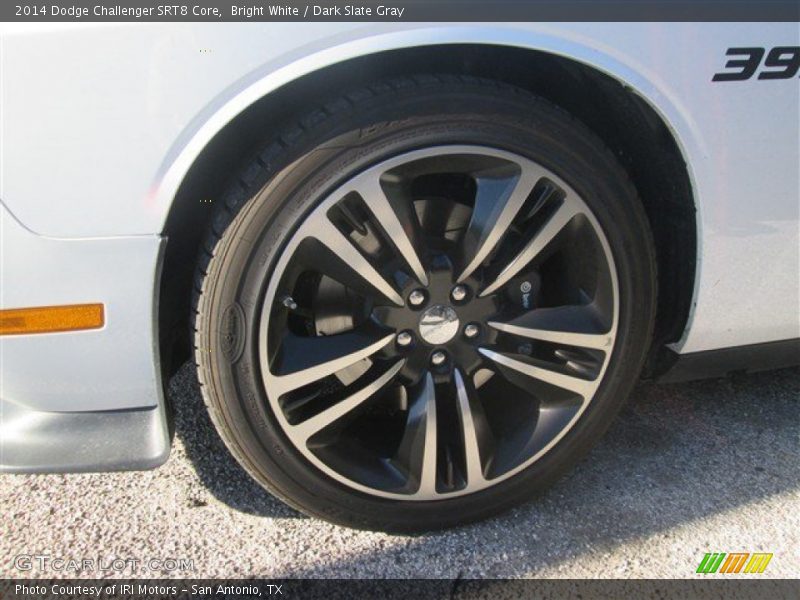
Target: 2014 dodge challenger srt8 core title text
x=183, y=10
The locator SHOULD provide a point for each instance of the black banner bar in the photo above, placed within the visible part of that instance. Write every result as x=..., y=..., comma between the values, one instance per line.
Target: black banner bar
x=398, y=10
x=391, y=589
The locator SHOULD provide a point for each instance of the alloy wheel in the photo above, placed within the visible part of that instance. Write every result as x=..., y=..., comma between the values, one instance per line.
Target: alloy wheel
x=438, y=322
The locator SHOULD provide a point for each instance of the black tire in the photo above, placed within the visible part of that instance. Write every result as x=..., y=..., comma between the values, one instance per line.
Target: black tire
x=285, y=181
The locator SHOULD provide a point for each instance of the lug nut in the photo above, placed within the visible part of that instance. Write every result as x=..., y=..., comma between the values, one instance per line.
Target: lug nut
x=438, y=358
x=404, y=338
x=471, y=330
x=416, y=298
x=459, y=293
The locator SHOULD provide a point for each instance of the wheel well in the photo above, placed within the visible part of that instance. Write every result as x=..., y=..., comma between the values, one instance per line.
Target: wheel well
x=624, y=121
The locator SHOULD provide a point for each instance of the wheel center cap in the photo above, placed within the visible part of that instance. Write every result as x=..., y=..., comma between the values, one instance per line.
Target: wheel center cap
x=438, y=324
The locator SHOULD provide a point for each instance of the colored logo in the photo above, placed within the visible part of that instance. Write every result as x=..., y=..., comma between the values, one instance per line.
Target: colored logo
x=734, y=562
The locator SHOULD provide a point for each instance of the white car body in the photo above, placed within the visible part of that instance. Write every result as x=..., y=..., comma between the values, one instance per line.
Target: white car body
x=100, y=124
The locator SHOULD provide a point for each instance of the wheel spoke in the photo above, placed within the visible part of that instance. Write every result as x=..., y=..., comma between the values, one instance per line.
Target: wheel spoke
x=566, y=325
x=584, y=340
x=379, y=204
x=474, y=429
x=318, y=357
x=563, y=215
x=319, y=422
x=418, y=448
x=427, y=479
x=496, y=205
x=579, y=386
x=326, y=233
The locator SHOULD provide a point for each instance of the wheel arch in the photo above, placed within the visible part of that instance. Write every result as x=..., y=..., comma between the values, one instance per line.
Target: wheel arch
x=641, y=135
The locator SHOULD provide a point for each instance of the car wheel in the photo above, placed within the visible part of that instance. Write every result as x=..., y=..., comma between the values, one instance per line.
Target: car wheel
x=423, y=303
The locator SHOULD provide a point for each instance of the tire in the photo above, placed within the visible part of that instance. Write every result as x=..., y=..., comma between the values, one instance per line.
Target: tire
x=422, y=443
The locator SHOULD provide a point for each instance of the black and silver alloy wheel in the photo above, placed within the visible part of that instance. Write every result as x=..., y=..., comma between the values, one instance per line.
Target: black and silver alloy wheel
x=420, y=296
x=423, y=304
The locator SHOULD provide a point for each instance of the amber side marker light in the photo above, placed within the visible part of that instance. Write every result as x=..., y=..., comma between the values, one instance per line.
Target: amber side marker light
x=48, y=319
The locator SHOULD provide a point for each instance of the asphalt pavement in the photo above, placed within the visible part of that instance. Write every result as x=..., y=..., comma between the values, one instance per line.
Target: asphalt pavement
x=711, y=466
